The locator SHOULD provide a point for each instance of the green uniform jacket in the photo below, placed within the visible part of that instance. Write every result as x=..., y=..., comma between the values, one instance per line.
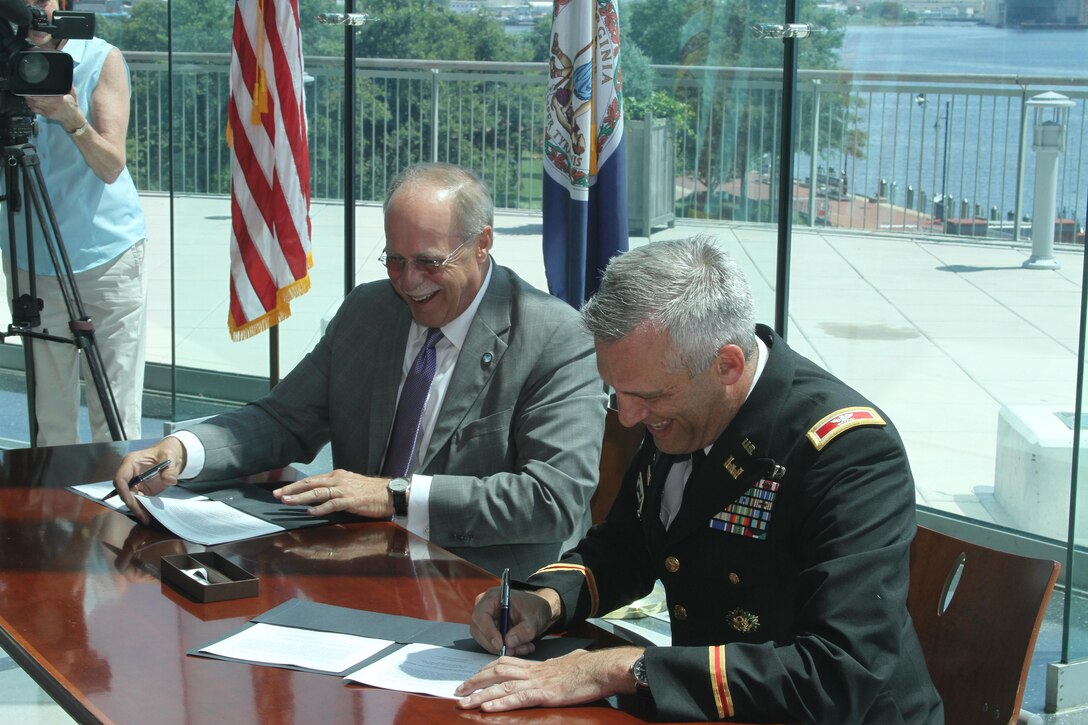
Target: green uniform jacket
x=786, y=568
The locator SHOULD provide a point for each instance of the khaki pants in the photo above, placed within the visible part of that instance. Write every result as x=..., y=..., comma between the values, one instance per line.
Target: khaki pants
x=114, y=296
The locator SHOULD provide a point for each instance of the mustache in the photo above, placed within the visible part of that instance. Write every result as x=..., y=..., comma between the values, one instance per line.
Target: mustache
x=420, y=292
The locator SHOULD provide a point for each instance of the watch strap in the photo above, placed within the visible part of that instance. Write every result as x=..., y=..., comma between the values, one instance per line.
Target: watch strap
x=399, y=493
x=638, y=672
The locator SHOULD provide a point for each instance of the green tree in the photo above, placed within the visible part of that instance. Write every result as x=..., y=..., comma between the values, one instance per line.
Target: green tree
x=398, y=125
x=427, y=29
x=736, y=117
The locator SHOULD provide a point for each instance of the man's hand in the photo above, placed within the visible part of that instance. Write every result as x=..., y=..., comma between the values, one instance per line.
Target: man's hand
x=139, y=461
x=531, y=614
x=510, y=683
x=340, y=491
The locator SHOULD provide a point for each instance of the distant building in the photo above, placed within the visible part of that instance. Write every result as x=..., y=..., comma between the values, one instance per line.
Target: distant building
x=465, y=6
x=950, y=9
x=1045, y=13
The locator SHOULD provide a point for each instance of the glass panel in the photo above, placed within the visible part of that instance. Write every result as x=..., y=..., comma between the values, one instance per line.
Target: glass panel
x=180, y=158
x=698, y=67
x=938, y=250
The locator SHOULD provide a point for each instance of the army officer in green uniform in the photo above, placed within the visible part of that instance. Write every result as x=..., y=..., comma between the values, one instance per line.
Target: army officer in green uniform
x=775, y=503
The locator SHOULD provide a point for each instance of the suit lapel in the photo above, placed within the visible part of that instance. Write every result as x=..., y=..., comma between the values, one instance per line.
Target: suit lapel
x=386, y=374
x=656, y=475
x=484, y=348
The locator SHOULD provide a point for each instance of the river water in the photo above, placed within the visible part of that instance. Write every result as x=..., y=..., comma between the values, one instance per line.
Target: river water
x=906, y=144
x=965, y=48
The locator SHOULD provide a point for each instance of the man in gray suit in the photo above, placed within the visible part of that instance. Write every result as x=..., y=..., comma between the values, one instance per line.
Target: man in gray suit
x=504, y=458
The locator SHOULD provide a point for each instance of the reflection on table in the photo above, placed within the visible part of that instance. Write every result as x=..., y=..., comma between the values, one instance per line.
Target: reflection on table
x=82, y=608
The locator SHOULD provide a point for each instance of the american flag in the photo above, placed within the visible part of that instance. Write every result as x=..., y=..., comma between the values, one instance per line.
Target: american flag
x=270, y=167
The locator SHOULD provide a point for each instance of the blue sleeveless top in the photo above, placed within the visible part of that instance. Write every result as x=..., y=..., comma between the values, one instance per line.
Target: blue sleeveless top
x=98, y=221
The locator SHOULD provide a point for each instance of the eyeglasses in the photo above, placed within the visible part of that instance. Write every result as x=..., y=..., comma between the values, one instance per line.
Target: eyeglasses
x=423, y=264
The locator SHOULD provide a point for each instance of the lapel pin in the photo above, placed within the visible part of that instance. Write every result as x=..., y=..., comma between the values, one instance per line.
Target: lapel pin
x=487, y=358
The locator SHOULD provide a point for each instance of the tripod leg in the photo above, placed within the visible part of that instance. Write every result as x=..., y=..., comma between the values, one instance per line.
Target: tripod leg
x=80, y=324
x=19, y=314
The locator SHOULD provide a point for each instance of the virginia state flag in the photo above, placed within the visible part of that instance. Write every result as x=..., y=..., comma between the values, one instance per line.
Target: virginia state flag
x=585, y=189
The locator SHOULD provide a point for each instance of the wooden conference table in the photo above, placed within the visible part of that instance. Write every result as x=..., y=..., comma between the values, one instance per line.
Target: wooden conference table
x=83, y=611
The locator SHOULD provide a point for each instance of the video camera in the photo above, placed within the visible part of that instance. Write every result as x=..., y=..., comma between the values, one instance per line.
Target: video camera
x=26, y=70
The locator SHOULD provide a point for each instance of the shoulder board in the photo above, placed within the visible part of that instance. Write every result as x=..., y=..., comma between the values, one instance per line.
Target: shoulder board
x=841, y=421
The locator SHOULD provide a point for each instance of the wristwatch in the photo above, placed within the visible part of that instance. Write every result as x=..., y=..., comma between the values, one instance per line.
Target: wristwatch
x=638, y=671
x=398, y=489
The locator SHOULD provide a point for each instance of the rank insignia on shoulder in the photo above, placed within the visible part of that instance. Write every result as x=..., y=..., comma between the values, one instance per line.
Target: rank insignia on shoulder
x=841, y=421
x=743, y=621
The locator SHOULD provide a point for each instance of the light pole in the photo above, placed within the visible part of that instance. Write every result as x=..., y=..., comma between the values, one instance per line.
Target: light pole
x=944, y=163
x=1051, y=117
x=920, y=100
x=940, y=202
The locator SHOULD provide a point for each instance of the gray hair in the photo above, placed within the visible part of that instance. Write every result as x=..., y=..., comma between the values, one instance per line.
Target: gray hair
x=472, y=203
x=687, y=288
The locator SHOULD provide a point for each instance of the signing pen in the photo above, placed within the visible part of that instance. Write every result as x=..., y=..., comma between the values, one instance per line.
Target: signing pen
x=141, y=477
x=504, y=609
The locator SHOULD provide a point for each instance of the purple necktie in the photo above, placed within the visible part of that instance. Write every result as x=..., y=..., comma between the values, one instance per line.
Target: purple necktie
x=413, y=396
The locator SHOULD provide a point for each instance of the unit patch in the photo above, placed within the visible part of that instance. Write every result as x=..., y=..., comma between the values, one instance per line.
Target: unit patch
x=841, y=421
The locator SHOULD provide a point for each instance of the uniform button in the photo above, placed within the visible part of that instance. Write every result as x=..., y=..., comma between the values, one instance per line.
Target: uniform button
x=672, y=564
x=679, y=612
x=733, y=578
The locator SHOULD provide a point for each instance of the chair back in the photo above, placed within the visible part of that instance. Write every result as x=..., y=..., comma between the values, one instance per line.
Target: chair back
x=618, y=448
x=977, y=612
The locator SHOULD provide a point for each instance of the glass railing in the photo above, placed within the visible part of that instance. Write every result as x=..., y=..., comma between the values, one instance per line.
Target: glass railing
x=918, y=153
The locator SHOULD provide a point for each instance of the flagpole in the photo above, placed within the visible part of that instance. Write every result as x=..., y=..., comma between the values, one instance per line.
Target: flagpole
x=170, y=190
x=349, y=155
x=273, y=356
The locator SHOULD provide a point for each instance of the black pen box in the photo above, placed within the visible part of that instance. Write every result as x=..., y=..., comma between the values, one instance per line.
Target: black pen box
x=224, y=579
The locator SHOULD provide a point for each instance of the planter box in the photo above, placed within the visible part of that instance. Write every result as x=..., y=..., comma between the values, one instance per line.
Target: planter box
x=651, y=174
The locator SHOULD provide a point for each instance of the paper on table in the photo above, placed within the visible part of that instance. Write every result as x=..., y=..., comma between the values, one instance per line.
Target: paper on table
x=275, y=645
x=422, y=668
x=98, y=491
x=202, y=521
x=644, y=632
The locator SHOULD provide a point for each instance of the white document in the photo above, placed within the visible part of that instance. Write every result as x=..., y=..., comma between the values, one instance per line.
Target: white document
x=645, y=632
x=422, y=668
x=98, y=491
x=275, y=645
x=192, y=516
x=203, y=521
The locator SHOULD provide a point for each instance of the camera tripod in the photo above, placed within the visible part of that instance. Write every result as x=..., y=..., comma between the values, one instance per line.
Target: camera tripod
x=22, y=164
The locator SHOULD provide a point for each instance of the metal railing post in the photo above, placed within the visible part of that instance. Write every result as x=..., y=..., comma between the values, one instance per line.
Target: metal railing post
x=434, y=115
x=1021, y=155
